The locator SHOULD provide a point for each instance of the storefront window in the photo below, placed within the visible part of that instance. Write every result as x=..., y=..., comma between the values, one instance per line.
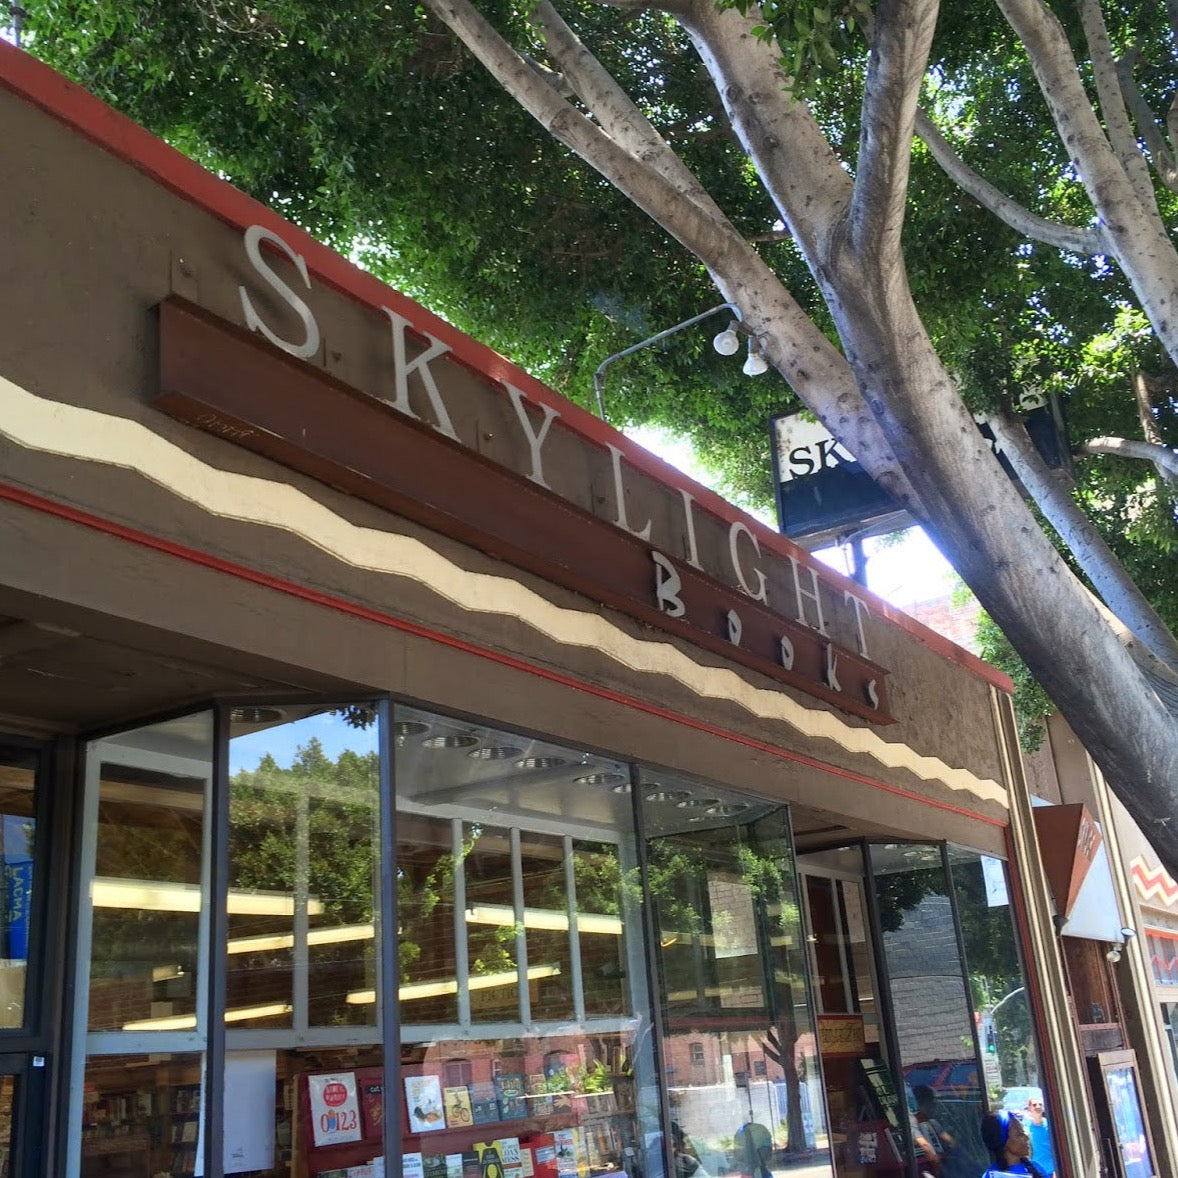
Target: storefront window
x=143, y=940
x=304, y=928
x=303, y=850
x=1012, y=1077
x=522, y=970
x=739, y=1053
x=18, y=779
x=934, y=1025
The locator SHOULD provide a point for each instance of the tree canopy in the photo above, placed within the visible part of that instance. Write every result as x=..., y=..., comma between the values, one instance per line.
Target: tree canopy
x=920, y=214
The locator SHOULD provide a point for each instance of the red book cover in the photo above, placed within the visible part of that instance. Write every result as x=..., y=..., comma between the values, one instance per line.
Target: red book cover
x=371, y=1081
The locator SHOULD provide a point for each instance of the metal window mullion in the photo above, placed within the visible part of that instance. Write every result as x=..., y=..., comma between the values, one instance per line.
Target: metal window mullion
x=387, y=930
x=461, y=947
x=838, y=895
x=214, y=958
x=300, y=986
x=654, y=1010
x=521, y=932
x=570, y=891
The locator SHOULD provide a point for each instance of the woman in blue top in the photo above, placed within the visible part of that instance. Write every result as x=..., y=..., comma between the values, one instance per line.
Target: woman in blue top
x=1009, y=1146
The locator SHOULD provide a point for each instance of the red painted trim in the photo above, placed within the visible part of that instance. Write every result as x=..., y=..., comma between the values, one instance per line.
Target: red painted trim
x=194, y=556
x=80, y=110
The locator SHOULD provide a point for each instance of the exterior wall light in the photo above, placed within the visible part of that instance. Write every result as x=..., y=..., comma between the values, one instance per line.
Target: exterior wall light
x=755, y=364
x=727, y=342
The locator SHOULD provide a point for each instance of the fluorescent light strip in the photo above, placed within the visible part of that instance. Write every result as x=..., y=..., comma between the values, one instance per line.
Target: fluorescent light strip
x=154, y=896
x=486, y=981
x=187, y=1022
x=320, y=936
x=503, y=915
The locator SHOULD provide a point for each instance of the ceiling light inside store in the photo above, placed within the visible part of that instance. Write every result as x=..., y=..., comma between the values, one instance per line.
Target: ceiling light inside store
x=503, y=915
x=600, y=779
x=270, y=942
x=402, y=730
x=153, y=896
x=488, y=981
x=675, y=796
x=495, y=752
x=697, y=803
x=726, y=809
x=541, y=763
x=187, y=1022
x=256, y=715
x=451, y=740
x=624, y=788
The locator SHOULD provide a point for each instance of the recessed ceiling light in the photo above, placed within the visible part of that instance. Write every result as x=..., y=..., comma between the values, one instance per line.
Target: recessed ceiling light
x=600, y=779
x=622, y=787
x=667, y=795
x=495, y=752
x=698, y=803
x=403, y=728
x=540, y=762
x=256, y=715
x=450, y=740
x=726, y=809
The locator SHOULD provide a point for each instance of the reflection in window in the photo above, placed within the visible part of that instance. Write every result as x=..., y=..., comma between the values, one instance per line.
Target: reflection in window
x=934, y=1024
x=18, y=777
x=1011, y=1074
x=145, y=894
x=739, y=1049
x=522, y=968
x=303, y=820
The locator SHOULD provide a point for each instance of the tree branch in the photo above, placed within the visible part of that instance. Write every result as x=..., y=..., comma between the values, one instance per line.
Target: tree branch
x=1112, y=103
x=617, y=115
x=1149, y=426
x=1147, y=126
x=1084, y=242
x=1163, y=459
x=901, y=38
x=1052, y=495
x=1134, y=230
x=814, y=368
x=794, y=160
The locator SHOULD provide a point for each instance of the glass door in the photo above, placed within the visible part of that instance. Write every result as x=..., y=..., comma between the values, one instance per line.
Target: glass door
x=868, y=1119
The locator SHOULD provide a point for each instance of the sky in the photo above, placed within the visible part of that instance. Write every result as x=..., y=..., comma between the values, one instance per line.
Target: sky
x=901, y=572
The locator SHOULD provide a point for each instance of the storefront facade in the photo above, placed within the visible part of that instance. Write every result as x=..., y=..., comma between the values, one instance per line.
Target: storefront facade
x=410, y=775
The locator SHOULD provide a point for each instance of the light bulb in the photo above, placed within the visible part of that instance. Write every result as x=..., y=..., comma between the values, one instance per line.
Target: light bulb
x=755, y=364
x=727, y=342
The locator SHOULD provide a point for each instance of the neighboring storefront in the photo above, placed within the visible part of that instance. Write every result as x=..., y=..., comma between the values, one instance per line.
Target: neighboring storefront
x=411, y=775
x=1111, y=920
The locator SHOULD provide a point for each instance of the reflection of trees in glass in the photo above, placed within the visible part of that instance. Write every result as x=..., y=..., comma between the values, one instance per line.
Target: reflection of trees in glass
x=334, y=868
x=263, y=807
x=995, y=972
x=757, y=858
x=154, y=843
